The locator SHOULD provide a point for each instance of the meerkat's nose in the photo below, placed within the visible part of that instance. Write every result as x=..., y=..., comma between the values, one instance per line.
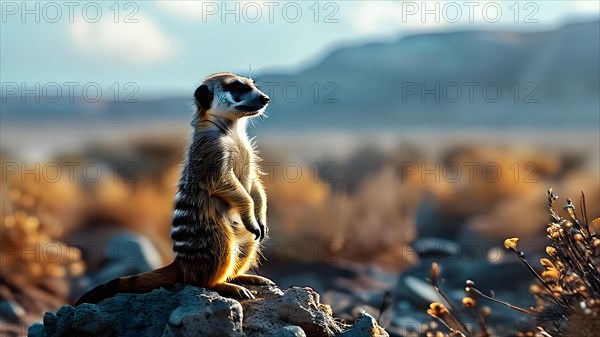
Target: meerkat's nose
x=264, y=99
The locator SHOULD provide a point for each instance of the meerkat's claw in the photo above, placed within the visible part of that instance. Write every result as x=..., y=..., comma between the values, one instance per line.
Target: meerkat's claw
x=233, y=290
x=263, y=231
x=255, y=228
x=245, y=294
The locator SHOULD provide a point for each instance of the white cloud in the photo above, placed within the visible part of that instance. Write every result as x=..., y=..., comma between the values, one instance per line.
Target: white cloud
x=185, y=9
x=588, y=7
x=193, y=10
x=138, y=43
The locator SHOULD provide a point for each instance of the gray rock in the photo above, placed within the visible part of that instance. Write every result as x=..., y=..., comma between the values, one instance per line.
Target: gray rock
x=206, y=315
x=192, y=311
x=291, y=331
x=9, y=311
x=365, y=326
x=36, y=330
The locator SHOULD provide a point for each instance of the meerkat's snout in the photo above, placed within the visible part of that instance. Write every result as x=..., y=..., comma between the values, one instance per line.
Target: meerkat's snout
x=264, y=99
x=254, y=102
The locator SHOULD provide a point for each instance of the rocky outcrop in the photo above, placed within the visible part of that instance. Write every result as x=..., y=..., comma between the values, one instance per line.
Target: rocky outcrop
x=192, y=311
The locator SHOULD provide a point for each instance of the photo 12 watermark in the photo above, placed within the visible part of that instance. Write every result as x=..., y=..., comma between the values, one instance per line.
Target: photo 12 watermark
x=469, y=92
x=294, y=92
x=470, y=172
x=54, y=92
x=291, y=12
x=68, y=11
x=450, y=12
x=67, y=171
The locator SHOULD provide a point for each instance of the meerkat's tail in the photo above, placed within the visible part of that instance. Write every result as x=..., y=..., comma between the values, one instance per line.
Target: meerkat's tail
x=139, y=283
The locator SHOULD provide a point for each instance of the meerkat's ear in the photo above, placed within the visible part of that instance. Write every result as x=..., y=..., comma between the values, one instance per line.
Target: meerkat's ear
x=203, y=97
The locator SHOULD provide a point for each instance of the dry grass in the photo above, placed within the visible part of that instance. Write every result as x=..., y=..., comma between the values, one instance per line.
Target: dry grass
x=37, y=268
x=375, y=224
x=567, y=291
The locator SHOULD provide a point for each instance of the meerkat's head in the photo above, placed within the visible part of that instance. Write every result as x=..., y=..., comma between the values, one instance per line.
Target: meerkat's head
x=230, y=96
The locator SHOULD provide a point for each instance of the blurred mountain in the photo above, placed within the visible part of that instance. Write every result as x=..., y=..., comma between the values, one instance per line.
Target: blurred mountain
x=482, y=79
x=394, y=84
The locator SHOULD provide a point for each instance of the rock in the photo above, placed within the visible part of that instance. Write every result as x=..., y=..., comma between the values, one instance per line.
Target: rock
x=110, y=253
x=364, y=326
x=291, y=331
x=126, y=254
x=10, y=311
x=346, y=286
x=192, y=311
x=206, y=315
x=36, y=329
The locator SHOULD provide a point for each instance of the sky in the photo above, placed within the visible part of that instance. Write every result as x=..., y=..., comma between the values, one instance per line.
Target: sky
x=164, y=48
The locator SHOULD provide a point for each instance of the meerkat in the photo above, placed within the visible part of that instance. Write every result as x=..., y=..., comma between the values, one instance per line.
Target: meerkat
x=220, y=214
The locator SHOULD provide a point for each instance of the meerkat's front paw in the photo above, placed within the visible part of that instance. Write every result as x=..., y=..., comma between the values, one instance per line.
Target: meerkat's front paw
x=262, y=223
x=263, y=231
x=255, y=228
x=252, y=280
x=233, y=291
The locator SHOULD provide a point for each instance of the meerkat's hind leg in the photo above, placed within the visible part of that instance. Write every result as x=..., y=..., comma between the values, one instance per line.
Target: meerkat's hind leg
x=233, y=290
x=252, y=280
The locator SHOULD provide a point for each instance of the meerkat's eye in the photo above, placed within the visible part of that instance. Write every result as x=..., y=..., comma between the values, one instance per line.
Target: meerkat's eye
x=237, y=87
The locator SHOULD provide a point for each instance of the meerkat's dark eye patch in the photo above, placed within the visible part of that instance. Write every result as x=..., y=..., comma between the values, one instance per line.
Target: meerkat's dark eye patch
x=237, y=87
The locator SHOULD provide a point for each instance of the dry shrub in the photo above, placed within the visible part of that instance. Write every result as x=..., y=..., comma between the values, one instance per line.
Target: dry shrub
x=497, y=174
x=143, y=207
x=139, y=196
x=524, y=215
x=513, y=203
x=301, y=218
x=513, y=216
x=567, y=291
x=375, y=224
x=37, y=268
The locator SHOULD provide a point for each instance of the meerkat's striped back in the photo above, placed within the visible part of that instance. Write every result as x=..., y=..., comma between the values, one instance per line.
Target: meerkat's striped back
x=194, y=219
